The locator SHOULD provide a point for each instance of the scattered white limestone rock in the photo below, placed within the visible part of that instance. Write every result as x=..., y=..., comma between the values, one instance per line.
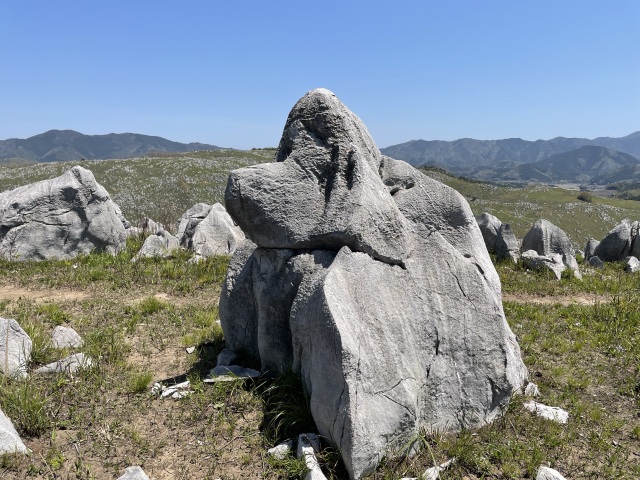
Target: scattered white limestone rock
x=228, y=373
x=632, y=265
x=550, y=413
x=553, y=262
x=10, y=441
x=149, y=226
x=15, y=348
x=69, y=365
x=65, y=337
x=282, y=450
x=308, y=446
x=177, y=391
x=159, y=245
x=532, y=390
x=546, y=473
x=433, y=473
x=190, y=350
x=134, y=473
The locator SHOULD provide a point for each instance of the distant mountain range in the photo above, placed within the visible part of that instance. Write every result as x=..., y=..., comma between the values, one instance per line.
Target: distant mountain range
x=66, y=145
x=514, y=159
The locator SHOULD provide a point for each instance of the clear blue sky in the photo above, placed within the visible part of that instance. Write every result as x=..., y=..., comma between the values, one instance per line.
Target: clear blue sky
x=228, y=73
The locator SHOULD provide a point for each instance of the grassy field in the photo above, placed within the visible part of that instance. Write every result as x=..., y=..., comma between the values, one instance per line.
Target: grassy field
x=163, y=187
x=579, y=339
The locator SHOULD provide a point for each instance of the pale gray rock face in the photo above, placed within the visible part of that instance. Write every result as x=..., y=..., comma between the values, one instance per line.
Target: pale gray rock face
x=351, y=255
x=632, y=265
x=616, y=245
x=489, y=226
x=161, y=245
x=507, y=245
x=15, y=348
x=546, y=473
x=546, y=239
x=216, y=234
x=189, y=221
x=10, y=441
x=59, y=219
x=65, y=337
x=538, y=262
x=69, y=365
x=590, y=248
x=134, y=473
x=150, y=226
x=554, y=414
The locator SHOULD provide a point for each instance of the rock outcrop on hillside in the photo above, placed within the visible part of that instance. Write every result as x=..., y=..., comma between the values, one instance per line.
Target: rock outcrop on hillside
x=617, y=244
x=59, y=219
x=498, y=237
x=371, y=281
x=546, y=239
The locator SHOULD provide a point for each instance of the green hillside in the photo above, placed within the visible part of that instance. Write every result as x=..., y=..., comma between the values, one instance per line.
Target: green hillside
x=521, y=207
x=161, y=187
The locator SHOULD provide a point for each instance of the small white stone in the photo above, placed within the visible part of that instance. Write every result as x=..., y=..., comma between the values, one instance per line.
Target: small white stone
x=65, y=337
x=190, y=350
x=532, y=390
x=308, y=444
x=550, y=413
x=281, y=451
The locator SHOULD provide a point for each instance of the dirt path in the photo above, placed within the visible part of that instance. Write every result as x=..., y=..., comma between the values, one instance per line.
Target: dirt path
x=553, y=300
x=11, y=293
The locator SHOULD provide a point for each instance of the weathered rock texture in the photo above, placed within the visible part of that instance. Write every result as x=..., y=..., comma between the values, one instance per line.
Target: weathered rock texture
x=617, y=244
x=209, y=230
x=546, y=240
x=498, y=237
x=160, y=245
x=59, y=219
x=15, y=348
x=10, y=441
x=65, y=337
x=370, y=280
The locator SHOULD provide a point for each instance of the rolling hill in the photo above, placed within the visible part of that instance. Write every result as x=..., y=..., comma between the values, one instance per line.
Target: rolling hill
x=69, y=145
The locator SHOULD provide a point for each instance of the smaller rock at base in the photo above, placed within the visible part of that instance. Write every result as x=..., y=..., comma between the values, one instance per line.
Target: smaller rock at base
x=532, y=390
x=550, y=413
x=65, y=337
x=134, y=473
x=595, y=262
x=15, y=348
x=282, y=450
x=226, y=373
x=190, y=350
x=546, y=473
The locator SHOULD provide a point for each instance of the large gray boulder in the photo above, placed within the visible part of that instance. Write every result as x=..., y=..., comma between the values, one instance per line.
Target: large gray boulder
x=590, y=248
x=489, y=227
x=371, y=281
x=216, y=234
x=616, y=245
x=10, y=441
x=498, y=237
x=189, y=221
x=60, y=218
x=546, y=239
x=15, y=348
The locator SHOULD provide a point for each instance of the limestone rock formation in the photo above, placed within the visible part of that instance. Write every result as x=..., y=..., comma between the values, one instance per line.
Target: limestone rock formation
x=616, y=245
x=160, y=244
x=590, y=248
x=65, y=337
x=546, y=239
x=209, y=230
x=59, y=219
x=371, y=281
x=15, y=348
x=498, y=237
x=551, y=262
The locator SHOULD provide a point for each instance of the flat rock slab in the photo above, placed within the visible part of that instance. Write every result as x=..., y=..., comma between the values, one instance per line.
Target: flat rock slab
x=134, y=473
x=69, y=365
x=230, y=373
x=65, y=337
x=10, y=441
x=554, y=414
x=15, y=348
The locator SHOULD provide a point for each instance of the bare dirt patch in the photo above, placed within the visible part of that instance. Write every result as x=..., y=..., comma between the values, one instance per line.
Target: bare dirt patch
x=11, y=293
x=556, y=299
